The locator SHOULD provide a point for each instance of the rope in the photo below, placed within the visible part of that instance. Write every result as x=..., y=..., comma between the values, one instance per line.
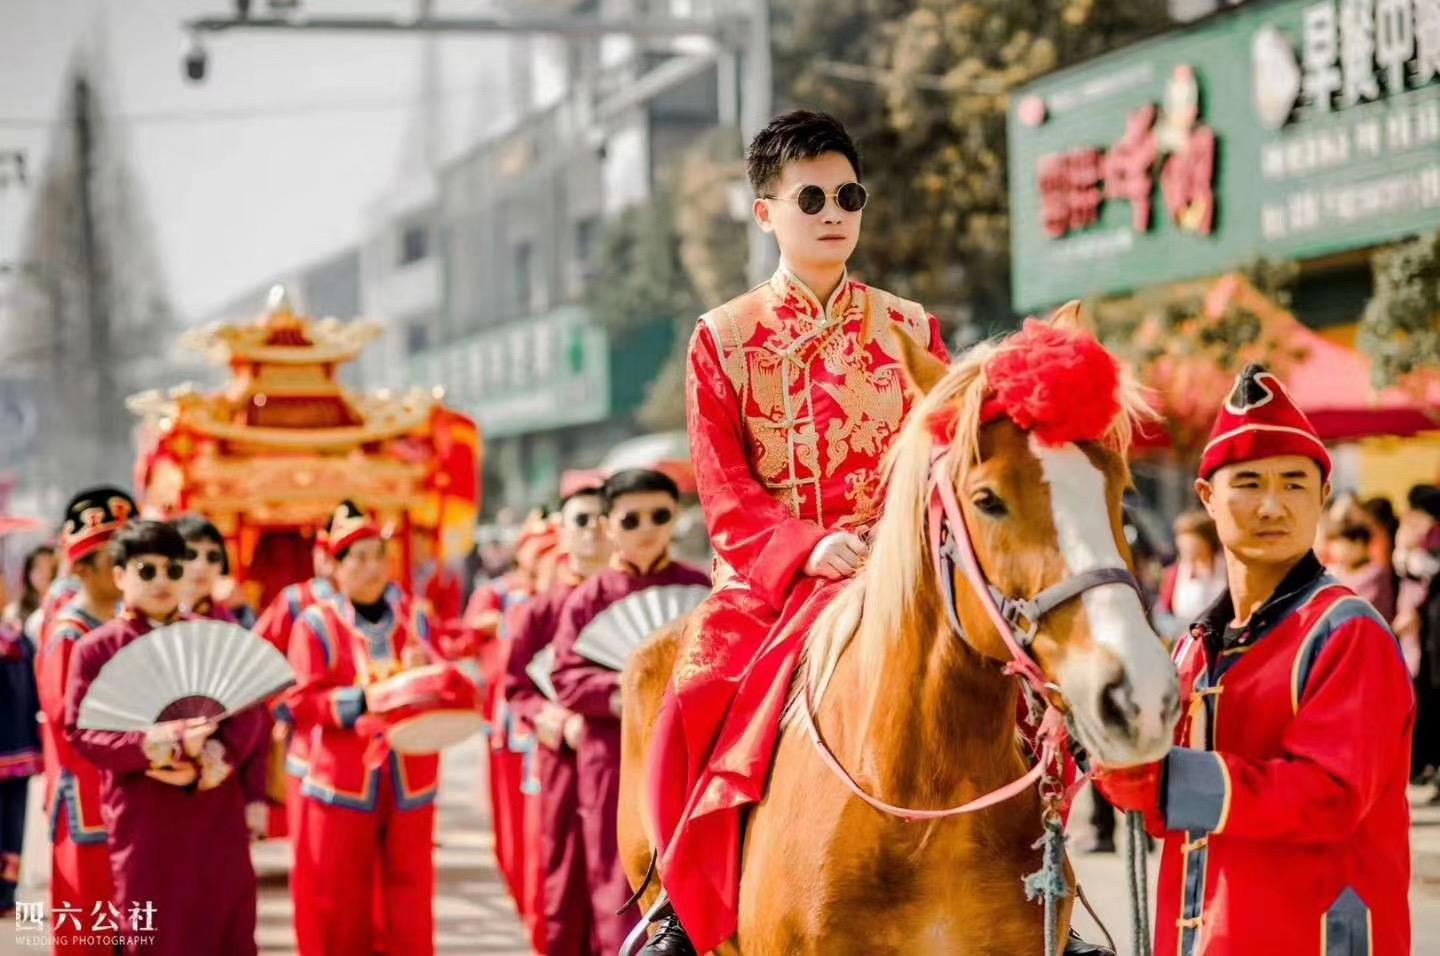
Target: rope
x=1137, y=849
x=1048, y=884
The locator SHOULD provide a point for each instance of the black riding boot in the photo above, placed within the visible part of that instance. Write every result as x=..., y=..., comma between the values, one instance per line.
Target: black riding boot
x=670, y=938
x=1078, y=947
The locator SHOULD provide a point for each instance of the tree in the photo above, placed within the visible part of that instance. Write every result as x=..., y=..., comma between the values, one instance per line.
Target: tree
x=1400, y=330
x=96, y=327
x=1188, y=341
x=925, y=87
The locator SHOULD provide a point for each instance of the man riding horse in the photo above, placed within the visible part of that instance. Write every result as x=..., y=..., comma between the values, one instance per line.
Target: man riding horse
x=794, y=395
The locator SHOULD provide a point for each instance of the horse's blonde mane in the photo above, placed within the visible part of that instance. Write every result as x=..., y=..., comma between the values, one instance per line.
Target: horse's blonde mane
x=881, y=603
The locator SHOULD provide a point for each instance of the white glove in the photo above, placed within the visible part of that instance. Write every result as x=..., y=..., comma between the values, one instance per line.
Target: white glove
x=837, y=556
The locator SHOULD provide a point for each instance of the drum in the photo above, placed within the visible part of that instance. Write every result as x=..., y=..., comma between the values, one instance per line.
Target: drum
x=427, y=708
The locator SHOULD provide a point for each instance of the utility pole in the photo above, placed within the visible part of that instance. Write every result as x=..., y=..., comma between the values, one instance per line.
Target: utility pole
x=97, y=300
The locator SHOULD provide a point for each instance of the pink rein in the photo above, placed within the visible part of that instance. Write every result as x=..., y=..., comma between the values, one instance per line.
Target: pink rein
x=946, y=514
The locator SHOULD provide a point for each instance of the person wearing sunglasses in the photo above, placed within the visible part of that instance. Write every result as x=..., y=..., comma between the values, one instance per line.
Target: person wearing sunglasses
x=206, y=562
x=565, y=923
x=794, y=394
x=639, y=508
x=174, y=804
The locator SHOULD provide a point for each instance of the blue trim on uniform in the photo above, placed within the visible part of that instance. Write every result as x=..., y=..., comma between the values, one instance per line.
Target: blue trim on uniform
x=349, y=705
x=1337, y=618
x=425, y=799
x=330, y=797
x=1196, y=862
x=1347, y=926
x=1197, y=790
x=380, y=635
x=317, y=623
x=292, y=600
x=68, y=796
x=284, y=714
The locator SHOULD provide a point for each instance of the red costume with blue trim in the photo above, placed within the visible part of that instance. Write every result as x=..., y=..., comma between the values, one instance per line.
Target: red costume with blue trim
x=80, y=862
x=275, y=625
x=1283, y=806
x=368, y=813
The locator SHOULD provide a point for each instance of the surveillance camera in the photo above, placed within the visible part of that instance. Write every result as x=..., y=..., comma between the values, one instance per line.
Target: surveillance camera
x=195, y=59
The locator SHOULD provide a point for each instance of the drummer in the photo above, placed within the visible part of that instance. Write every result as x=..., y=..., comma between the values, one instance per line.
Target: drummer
x=367, y=813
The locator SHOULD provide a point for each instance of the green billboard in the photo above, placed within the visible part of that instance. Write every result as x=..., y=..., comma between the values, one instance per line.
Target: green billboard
x=1291, y=129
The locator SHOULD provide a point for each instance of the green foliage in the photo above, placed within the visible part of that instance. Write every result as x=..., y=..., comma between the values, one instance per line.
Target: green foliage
x=925, y=87
x=642, y=279
x=1400, y=330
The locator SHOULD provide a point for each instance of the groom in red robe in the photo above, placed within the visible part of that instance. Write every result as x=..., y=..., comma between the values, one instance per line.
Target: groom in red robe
x=794, y=394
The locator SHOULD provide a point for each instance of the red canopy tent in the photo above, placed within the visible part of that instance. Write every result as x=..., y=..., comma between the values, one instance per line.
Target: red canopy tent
x=1330, y=383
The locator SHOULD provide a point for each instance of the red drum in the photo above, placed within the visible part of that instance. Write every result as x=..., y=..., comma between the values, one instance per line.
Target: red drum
x=428, y=708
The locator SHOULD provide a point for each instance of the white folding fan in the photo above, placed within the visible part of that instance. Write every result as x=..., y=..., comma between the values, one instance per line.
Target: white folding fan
x=617, y=631
x=189, y=669
x=541, y=666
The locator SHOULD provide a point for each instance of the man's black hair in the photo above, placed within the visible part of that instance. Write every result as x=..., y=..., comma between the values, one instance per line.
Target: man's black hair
x=794, y=136
x=589, y=491
x=141, y=538
x=634, y=481
x=197, y=528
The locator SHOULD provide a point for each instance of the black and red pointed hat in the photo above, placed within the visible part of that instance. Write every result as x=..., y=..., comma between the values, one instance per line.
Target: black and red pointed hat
x=1260, y=420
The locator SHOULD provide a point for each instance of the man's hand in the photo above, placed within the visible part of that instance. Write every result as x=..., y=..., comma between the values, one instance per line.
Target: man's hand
x=214, y=768
x=1135, y=789
x=837, y=556
x=181, y=776
x=162, y=743
x=195, y=733
x=573, y=731
x=257, y=819
x=550, y=726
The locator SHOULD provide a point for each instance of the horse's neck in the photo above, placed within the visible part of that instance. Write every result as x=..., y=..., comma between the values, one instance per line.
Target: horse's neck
x=937, y=723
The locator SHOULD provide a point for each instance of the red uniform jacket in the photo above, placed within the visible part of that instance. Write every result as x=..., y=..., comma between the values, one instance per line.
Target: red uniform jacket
x=334, y=654
x=72, y=783
x=276, y=625
x=1284, y=813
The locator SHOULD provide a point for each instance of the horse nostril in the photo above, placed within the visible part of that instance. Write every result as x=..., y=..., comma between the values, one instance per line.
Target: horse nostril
x=1117, y=704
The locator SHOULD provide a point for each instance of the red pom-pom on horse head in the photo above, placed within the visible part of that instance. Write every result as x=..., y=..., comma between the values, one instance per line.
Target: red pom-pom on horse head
x=1058, y=383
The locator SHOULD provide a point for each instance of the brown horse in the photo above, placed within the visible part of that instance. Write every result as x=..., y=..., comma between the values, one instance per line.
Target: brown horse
x=923, y=718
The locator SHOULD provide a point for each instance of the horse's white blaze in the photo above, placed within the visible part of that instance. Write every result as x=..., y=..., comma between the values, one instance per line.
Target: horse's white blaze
x=1117, y=619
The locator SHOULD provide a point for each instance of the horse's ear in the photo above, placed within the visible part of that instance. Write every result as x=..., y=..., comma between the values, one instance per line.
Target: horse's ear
x=922, y=369
x=1072, y=316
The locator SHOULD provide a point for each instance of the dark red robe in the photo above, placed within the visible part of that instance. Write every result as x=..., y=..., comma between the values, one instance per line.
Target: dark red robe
x=564, y=923
x=179, y=854
x=589, y=689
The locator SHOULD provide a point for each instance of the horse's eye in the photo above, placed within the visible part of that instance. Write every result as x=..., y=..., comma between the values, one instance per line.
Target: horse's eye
x=989, y=503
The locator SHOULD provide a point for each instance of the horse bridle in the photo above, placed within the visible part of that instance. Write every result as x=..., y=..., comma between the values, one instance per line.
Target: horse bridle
x=1017, y=619
x=1018, y=622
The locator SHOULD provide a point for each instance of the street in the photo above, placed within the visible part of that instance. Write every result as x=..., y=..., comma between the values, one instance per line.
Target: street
x=473, y=913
